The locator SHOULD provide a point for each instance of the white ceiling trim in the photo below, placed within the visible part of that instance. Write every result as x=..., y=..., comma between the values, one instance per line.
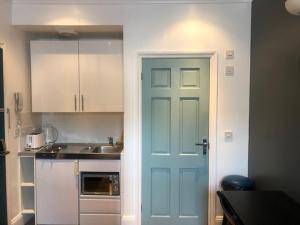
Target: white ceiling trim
x=121, y=2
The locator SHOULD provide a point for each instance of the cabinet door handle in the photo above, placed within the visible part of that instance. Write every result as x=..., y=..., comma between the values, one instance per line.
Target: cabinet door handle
x=8, y=117
x=75, y=103
x=82, y=103
x=76, y=168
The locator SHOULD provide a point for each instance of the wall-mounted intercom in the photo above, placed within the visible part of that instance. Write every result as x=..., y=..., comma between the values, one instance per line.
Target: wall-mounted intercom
x=18, y=102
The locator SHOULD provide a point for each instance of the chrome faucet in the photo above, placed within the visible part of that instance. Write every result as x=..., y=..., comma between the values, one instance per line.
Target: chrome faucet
x=110, y=140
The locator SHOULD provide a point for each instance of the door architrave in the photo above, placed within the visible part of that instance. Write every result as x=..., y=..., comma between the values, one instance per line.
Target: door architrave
x=213, y=102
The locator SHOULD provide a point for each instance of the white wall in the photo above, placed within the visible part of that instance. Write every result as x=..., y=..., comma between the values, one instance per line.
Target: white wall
x=85, y=127
x=16, y=79
x=169, y=27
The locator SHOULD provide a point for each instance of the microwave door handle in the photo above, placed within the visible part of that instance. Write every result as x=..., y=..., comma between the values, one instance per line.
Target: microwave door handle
x=110, y=188
x=76, y=168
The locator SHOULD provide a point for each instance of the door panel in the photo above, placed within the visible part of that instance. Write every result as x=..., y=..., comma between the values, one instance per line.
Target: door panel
x=160, y=192
x=189, y=78
x=189, y=125
x=161, y=78
x=175, y=114
x=160, y=123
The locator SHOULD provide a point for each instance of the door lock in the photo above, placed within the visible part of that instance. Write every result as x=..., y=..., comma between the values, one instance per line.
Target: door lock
x=205, y=146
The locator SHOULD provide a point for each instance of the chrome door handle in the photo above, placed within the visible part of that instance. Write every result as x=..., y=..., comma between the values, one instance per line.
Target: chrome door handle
x=205, y=146
x=75, y=103
x=76, y=168
x=82, y=103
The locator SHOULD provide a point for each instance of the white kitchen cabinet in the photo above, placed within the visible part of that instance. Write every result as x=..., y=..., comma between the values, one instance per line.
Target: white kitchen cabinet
x=54, y=76
x=101, y=75
x=86, y=165
x=77, y=76
x=57, y=195
x=100, y=219
x=100, y=206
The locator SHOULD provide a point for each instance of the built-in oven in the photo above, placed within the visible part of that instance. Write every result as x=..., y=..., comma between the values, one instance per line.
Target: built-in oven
x=100, y=183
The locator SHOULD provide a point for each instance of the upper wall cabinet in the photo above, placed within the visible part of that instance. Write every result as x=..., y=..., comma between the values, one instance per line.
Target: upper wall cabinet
x=101, y=75
x=54, y=76
x=77, y=76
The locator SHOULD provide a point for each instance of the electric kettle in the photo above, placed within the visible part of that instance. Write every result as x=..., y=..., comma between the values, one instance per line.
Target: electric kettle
x=51, y=133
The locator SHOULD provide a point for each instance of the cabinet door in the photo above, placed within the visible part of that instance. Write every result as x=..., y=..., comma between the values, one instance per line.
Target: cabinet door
x=101, y=75
x=100, y=219
x=57, y=195
x=54, y=76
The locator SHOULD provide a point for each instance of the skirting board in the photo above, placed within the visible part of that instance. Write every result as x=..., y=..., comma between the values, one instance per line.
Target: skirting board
x=128, y=220
x=17, y=220
x=219, y=220
x=20, y=219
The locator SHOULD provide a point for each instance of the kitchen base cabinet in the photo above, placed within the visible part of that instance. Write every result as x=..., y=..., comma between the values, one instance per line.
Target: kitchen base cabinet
x=100, y=219
x=100, y=206
x=57, y=192
x=97, y=209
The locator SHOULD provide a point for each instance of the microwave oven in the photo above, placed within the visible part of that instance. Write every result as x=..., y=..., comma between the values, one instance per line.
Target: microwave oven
x=100, y=183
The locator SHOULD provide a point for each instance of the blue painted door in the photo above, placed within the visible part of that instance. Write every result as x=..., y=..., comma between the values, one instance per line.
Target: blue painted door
x=3, y=205
x=175, y=114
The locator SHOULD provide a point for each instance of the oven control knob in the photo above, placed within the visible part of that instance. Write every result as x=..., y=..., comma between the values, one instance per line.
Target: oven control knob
x=115, y=179
x=115, y=188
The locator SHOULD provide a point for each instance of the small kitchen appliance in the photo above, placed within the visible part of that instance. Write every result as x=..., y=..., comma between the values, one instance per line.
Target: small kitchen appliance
x=35, y=140
x=51, y=133
x=100, y=183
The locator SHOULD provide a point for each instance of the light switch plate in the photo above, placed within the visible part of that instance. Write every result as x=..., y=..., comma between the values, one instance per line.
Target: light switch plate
x=229, y=54
x=228, y=135
x=229, y=70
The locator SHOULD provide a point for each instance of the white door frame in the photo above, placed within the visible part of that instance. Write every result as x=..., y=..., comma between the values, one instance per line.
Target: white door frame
x=213, y=99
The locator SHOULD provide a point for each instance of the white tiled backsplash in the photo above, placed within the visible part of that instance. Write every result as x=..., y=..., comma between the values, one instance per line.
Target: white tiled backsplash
x=85, y=127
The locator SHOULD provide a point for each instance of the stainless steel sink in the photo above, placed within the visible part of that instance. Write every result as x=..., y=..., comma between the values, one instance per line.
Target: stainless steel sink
x=107, y=149
x=89, y=149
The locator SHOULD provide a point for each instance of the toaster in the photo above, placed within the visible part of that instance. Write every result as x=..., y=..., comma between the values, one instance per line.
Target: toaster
x=35, y=140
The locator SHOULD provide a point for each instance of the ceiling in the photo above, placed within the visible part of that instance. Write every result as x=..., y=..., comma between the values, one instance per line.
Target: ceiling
x=123, y=1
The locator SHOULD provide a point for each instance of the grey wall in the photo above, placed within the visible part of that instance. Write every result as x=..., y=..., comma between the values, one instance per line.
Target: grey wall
x=274, y=145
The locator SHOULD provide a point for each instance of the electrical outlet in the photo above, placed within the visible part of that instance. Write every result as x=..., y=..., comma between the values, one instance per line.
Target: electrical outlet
x=229, y=70
x=229, y=54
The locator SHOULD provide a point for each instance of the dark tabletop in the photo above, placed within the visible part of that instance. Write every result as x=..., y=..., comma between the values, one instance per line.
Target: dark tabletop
x=264, y=207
